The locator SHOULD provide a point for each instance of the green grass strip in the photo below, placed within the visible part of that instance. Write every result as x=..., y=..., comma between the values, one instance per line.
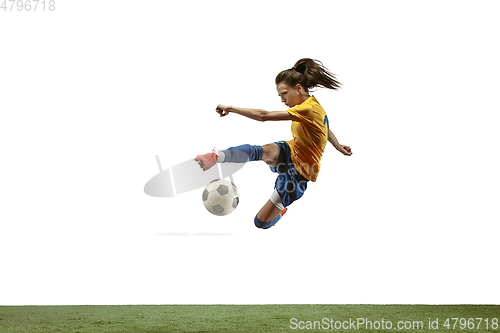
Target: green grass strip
x=249, y=318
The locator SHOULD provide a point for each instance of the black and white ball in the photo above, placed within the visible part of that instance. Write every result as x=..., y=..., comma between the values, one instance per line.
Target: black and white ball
x=221, y=197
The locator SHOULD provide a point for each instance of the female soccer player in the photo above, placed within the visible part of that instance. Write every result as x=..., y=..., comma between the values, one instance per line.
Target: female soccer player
x=296, y=161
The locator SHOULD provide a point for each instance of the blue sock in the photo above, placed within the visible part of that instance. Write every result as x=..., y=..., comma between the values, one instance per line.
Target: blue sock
x=243, y=154
x=266, y=225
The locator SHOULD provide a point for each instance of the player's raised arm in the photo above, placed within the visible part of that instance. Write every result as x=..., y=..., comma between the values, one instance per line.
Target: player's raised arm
x=346, y=150
x=255, y=114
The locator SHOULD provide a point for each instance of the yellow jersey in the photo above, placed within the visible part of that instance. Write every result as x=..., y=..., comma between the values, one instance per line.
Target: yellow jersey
x=310, y=130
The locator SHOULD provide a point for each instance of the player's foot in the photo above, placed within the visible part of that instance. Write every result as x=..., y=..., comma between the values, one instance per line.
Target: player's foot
x=207, y=160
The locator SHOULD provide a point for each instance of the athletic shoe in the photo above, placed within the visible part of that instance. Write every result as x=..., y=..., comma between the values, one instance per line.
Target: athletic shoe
x=207, y=160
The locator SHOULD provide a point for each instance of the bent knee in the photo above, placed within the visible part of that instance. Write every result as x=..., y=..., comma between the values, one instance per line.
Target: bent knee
x=270, y=153
x=260, y=224
x=266, y=225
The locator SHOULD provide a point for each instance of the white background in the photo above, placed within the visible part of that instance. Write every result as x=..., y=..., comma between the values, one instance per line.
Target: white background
x=91, y=92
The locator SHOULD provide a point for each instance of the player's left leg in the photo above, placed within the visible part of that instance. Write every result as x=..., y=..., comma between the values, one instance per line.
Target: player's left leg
x=289, y=187
x=270, y=213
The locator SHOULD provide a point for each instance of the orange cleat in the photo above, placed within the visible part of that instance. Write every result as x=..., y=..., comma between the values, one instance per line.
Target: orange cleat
x=207, y=160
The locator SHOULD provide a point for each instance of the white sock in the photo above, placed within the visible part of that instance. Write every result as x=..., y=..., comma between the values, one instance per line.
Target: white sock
x=276, y=200
x=222, y=156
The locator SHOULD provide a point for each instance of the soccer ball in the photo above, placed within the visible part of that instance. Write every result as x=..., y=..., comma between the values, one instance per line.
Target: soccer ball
x=220, y=197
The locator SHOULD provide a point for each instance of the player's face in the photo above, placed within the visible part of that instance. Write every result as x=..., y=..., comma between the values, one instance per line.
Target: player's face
x=289, y=95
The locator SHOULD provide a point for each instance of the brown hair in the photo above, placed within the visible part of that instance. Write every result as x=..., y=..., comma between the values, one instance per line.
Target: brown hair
x=309, y=73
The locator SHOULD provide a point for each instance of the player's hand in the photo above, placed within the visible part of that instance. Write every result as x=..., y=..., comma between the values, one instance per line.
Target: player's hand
x=222, y=110
x=346, y=150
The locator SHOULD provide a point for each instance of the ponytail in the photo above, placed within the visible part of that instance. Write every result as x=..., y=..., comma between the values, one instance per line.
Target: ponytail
x=308, y=73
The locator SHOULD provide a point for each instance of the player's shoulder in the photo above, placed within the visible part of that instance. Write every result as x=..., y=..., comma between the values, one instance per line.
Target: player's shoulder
x=313, y=101
x=308, y=104
x=315, y=107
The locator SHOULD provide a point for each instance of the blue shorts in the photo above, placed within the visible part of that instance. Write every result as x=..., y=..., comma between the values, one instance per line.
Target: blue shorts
x=290, y=184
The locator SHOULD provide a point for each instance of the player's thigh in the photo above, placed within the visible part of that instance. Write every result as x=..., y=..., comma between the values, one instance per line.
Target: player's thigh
x=271, y=152
x=268, y=212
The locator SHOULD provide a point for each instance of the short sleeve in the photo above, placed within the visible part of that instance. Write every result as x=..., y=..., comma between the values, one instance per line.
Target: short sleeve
x=302, y=113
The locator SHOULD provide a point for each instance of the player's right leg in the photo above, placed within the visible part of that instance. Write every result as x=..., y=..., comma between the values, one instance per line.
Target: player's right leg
x=240, y=154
